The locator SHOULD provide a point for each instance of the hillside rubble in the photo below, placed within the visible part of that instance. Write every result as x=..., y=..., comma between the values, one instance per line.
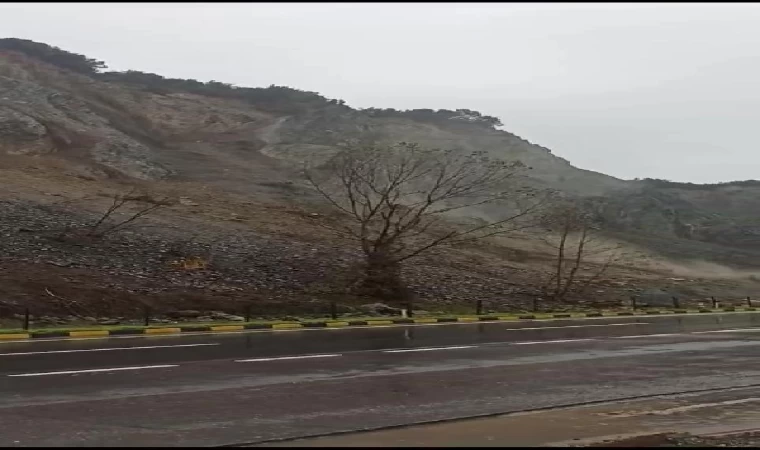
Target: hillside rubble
x=242, y=267
x=69, y=131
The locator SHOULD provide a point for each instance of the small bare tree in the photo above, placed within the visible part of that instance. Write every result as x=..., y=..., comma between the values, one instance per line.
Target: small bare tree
x=114, y=217
x=124, y=210
x=392, y=201
x=575, y=240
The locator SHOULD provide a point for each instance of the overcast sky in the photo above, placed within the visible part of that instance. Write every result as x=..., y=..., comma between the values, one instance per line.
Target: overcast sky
x=633, y=90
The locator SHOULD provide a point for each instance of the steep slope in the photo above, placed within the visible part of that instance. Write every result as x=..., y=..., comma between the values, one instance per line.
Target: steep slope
x=130, y=129
x=321, y=131
x=147, y=127
x=69, y=131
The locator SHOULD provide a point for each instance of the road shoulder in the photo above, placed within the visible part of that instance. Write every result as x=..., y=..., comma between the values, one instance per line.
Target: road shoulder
x=660, y=421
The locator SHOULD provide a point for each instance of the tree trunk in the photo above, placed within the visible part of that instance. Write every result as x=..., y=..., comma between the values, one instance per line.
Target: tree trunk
x=382, y=278
x=560, y=264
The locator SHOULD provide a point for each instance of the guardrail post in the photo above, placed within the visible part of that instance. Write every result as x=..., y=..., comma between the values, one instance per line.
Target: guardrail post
x=409, y=311
x=479, y=307
x=146, y=314
x=333, y=310
x=26, y=318
x=633, y=302
x=676, y=303
x=749, y=302
x=714, y=302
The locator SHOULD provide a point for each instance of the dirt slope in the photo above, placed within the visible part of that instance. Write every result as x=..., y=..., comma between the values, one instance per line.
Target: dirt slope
x=68, y=138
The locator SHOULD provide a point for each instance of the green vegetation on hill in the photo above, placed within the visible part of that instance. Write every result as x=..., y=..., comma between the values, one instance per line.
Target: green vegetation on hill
x=280, y=99
x=277, y=99
x=53, y=55
x=664, y=184
x=429, y=115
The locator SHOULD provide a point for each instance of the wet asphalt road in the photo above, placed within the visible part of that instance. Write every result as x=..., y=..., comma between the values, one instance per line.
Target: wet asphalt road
x=217, y=389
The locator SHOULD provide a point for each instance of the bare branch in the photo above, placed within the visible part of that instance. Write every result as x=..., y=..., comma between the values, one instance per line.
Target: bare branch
x=391, y=198
x=576, y=241
x=113, y=218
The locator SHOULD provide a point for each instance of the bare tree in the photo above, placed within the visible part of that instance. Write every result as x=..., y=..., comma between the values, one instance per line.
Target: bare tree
x=392, y=200
x=125, y=210
x=575, y=240
x=118, y=215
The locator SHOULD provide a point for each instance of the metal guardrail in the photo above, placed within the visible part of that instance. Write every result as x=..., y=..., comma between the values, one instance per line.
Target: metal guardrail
x=245, y=313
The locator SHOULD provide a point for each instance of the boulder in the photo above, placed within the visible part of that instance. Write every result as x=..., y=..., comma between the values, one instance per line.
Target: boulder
x=381, y=308
x=218, y=315
x=158, y=320
x=104, y=321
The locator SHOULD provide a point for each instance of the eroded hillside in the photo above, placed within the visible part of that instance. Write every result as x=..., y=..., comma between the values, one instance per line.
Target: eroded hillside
x=70, y=134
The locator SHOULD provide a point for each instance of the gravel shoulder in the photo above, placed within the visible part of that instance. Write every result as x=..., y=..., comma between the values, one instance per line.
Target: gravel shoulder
x=723, y=418
x=746, y=439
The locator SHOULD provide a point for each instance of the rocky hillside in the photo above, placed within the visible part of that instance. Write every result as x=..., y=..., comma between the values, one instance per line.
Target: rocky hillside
x=70, y=130
x=147, y=128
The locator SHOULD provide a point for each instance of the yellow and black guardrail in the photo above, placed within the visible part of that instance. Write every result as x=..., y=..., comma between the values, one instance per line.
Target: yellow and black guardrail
x=178, y=329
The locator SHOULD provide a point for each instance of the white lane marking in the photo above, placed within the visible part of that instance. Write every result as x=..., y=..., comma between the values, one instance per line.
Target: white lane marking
x=552, y=342
x=428, y=349
x=112, y=369
x=335, y=355
x=735, y=330
x=280, y=358
x=648, y=335
x=107, y=349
